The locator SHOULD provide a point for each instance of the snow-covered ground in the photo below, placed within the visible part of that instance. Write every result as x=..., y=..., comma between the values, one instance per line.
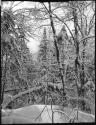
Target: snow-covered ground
x=43, y=114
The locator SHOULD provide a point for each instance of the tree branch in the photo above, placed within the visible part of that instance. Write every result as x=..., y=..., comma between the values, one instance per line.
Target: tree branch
x=85, y=38
x=90, y=25
x=65, y=25
x=22, y=93
x=17, y=4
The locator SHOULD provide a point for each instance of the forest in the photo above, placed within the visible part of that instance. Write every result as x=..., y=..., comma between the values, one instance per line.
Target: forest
x=47, y=62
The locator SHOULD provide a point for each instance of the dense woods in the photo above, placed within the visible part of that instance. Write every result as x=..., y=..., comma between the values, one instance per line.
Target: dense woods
x=63, y=71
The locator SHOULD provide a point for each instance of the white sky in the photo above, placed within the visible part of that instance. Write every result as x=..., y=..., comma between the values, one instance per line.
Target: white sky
x=34, y=43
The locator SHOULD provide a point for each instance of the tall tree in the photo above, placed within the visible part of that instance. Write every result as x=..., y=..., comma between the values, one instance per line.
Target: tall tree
x=56, y=48
x=15, y=54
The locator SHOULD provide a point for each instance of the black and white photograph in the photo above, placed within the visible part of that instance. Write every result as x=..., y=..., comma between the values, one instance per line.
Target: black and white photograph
x=47, y=62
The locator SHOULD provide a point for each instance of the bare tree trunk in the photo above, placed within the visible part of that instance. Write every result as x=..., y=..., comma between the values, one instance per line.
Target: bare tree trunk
x=57, y=51
x=4, y=79
x=77, y=51
x=83, y=58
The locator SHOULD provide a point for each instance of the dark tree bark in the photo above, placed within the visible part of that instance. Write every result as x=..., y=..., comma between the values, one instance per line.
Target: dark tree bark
x=4, y=79
x=77, y=49
x=57, y=50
